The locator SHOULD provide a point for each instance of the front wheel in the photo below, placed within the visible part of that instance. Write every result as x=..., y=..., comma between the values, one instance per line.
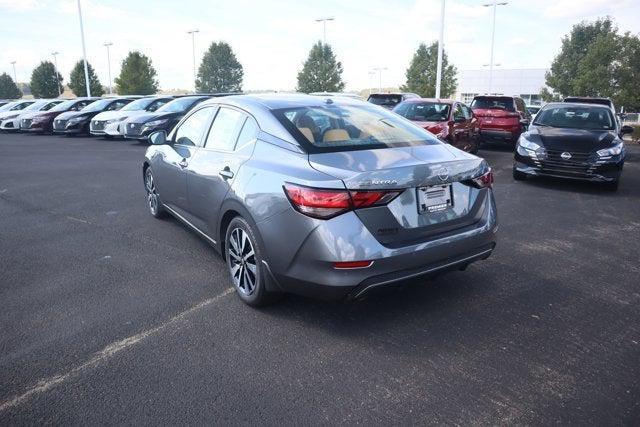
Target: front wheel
x=519, y=176
x=153, y=198
x=244, y=259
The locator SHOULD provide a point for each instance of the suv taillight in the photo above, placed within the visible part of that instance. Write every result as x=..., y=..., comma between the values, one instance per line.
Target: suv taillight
x=325, y=203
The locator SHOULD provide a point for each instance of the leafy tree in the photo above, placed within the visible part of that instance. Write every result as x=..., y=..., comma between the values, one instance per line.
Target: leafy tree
x=220, y=70
x=137, y=76
x=321, y=71
x=8, y=88
x=43, y=81
x=421, y=74
x=77, y=81
x=595, y=60
x=549, y=96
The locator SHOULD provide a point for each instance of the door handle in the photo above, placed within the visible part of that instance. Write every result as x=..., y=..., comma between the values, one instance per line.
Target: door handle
x=183, y=163
x=226, y=173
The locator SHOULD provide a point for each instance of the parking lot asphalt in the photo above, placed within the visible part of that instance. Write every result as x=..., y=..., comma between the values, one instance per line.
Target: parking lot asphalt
x=110, y=316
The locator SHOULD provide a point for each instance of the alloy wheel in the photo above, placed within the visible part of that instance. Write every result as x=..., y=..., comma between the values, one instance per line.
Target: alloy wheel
x=152, y=195
x=241, y=259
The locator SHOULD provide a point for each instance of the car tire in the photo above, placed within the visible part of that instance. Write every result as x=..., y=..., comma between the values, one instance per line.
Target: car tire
x=244, y=257
x=519, y=176
x=154, y=204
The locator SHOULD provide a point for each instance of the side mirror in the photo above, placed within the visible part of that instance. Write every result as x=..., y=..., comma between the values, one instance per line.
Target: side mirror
x=158, y=137
x=626, y=129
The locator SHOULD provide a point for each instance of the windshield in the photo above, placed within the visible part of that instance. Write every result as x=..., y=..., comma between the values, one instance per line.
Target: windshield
x=350, y=127
x=64, y=106
x=36, y=105
x=385, y=100
x=576, y=117
x=499, y=102
x=424, y=111
x=98, y=105
x=138, y=104
x=179, y=105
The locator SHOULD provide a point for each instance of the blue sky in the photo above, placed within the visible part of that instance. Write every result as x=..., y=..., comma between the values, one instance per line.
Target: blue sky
x=271, y=38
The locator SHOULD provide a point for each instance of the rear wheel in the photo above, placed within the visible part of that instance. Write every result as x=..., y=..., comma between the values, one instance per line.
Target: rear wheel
x=244, y=259
x=519, y=176
x=153, y=199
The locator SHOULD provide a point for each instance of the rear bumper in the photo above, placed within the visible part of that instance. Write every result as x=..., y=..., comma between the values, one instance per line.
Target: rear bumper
x=345, y=238
x=500, y=134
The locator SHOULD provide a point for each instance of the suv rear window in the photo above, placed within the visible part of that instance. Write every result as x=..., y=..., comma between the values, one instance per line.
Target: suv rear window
x=487, y=102
x=332, y=128
x=385, y=100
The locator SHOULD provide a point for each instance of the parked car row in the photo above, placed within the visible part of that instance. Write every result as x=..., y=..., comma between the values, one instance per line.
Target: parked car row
x=133, y=117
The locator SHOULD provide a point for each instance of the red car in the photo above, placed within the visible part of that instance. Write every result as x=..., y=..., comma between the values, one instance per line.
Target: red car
x=451, y=121
x=43, y=122
x=500, y=118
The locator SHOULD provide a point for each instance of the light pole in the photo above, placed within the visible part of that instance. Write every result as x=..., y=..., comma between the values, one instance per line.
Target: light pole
x=371, y=74
x=380, y=70
x=55, y=67
x=495, y=5
x=193, y=45
x=440, y=43
x=15, y=79
x=324, y=27
x=107, y=44
x=84, y=53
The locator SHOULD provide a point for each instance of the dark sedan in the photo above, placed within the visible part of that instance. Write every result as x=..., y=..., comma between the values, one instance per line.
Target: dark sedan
x=164, y=118
x=43, y=121
x=575, y=141
x=77, y=122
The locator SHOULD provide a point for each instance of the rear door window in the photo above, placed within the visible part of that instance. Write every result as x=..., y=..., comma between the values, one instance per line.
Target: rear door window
x=225, y=129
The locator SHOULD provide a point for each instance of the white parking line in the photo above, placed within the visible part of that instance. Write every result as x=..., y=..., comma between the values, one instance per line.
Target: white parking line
x=106, y=353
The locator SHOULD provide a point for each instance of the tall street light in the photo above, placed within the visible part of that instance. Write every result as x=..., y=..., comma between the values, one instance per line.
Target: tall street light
x=495, y=5
x=371, y=74
x=380, y=70
x=193, y=44
x=324, y=27
x=15, y=79
x=107, y=44
x=55, y=67
x=440, y=43
x=84, y=53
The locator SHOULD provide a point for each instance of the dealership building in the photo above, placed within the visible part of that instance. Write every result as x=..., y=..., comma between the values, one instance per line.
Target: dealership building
x=526, y=83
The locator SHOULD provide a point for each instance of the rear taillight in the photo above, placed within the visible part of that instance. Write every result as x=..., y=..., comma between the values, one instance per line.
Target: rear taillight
x=483, y=181
x=326, y=203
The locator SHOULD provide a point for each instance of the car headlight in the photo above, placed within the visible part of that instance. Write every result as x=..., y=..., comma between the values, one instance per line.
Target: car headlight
x=77, y=120
x=529, y=148
x=155, y=123
x=10, y=117
x=612, y=151
x=115, y=120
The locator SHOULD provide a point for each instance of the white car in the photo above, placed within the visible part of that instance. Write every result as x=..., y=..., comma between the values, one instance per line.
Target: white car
x=13, y=109
x=108, y=123
x=25, y=115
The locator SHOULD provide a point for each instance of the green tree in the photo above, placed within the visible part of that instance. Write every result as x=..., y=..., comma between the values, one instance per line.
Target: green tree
x=44, y=83
x=77, y=81
x=8, y=88
x=421, y=74
x=321, y=71
x=595, y=60
x=137, y=76
x=220, y=70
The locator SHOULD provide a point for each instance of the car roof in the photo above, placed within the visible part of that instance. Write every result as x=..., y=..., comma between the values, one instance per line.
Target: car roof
x=274, y=101
x=576, y=104
x=438, y=100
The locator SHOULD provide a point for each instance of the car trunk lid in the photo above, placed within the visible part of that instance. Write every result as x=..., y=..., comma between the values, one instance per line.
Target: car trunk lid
x=436, y=196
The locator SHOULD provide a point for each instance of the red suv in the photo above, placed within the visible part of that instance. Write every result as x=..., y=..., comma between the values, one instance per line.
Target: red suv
x=501, y=118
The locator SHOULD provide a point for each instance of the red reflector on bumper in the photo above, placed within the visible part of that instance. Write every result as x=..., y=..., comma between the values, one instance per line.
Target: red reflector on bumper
x=352, y=264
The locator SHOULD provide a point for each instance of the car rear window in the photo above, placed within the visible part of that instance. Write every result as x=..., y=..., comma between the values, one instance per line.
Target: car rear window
x=488, y=102
x=424, y=111
x=334, y=127
x=385, y=100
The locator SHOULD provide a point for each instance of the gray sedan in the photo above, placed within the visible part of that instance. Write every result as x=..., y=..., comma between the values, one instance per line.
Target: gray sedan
x=325, y=197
